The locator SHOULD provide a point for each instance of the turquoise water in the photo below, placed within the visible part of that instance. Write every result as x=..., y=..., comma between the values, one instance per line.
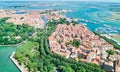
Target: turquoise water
x=81, y=10
x=20, y=12
x=6, y=65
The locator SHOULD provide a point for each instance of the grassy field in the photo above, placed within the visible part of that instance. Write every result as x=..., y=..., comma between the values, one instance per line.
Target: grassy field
x=117, y=38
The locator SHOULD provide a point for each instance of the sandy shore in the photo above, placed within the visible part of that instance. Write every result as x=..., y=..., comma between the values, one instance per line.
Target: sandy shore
x=21, y=68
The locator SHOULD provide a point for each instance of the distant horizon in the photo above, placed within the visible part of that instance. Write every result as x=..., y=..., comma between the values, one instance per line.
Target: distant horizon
x=116, y=1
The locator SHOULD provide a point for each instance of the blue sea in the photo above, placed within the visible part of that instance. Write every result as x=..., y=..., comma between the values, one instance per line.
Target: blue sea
x=92, y=14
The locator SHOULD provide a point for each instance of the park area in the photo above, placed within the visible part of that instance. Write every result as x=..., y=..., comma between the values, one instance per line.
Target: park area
x=116, y=37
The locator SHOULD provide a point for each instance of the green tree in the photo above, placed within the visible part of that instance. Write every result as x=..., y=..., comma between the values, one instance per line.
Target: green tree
x=111, y=52
x=81, y=69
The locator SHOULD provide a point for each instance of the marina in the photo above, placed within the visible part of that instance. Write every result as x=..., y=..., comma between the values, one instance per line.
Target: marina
x=107, y=29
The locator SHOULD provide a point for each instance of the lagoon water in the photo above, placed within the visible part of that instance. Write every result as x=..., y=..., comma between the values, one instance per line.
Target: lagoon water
x=90, y=13
x=6, y=65
x=94, y=12
x=20, y=12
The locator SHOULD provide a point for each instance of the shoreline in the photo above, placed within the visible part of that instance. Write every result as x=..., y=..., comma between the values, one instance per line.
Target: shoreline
x=109, y=37
x=16, y=63
x=21, y=68
x=14, y=44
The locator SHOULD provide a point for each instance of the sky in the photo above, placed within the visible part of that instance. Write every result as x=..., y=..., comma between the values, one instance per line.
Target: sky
x=68, y=0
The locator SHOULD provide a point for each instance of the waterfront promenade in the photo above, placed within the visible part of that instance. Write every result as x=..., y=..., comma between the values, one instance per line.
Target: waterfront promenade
x=21, y=68
x=109, y=37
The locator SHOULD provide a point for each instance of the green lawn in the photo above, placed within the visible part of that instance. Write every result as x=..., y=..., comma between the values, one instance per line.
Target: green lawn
x=26, y=51
x=117, y=38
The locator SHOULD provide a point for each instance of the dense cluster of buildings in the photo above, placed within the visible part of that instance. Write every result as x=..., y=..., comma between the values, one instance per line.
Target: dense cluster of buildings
x=19, y=17
x=92, y=48
x=33, y=18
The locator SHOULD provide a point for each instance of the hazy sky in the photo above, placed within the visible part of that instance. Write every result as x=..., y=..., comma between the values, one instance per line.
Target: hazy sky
x=68, y=0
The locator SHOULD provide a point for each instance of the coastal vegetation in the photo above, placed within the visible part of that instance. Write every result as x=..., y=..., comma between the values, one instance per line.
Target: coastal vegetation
x=13, y=34
x=27, y=51
x=38, y=57
x=109, y=41
x=117, y=39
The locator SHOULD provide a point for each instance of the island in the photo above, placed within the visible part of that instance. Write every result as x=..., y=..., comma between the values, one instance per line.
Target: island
x=36, y=55
x=50, y=42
